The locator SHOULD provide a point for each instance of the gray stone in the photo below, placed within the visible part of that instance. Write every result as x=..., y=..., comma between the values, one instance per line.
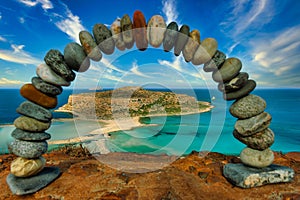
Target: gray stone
x=28, y=149
x=46, y=88
x=170, y=36
x=229, y=69
x=258, y=141
x=191, y=46
x=248, y=106
x=104, y=38
x=244, y=91
x=49, y=76
x=29, y=185
x=31, y=124
x=127, y=33
x=116, y=32
x=256, y=158
x=55, y=60
x=215, y=63
x=35, y=111
x=248, y=177
x=250, y=126
x=89, y=46
x=29, y=136
x=156, y=29
x=181, y=39
x=76, y=58
x=234, y=84
x=206, y=50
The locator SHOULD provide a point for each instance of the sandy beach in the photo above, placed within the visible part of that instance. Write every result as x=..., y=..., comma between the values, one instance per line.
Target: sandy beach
x=110, y=126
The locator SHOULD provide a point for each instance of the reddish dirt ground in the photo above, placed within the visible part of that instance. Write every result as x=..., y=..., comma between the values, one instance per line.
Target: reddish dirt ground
x=192, y=177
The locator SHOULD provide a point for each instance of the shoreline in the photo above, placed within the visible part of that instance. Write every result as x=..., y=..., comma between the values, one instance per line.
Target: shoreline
x=110, y=126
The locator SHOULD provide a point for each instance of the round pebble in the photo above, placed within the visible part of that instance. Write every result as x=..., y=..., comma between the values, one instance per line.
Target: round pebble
x=140, y=30
x=244, y=91
x=31, y=124
x=30, y=136
x=23, y=167
x=156, y=29
x=181, y=40
x=76, y=58
x=258, y=141
x=248, y=106
x=104, y=38
x=234, y=84
x=230, y=69
x=89, y=46
x=49, y=76
x=29, y=92
x=28, y=149
x=35, y=111
x=116, y=31
x=55, y=60
x=215, y=63
x=250, y=126
x=127, y=33
x=170, y=36
x=191, y=45
x=46, y=88
x=256, y=158
x=205, y=51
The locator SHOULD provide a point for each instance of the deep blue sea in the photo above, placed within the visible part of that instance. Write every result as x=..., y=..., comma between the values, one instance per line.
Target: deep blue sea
x=175, y=134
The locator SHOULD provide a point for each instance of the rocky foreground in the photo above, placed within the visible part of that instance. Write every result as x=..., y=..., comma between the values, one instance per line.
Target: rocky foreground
x=196, y=176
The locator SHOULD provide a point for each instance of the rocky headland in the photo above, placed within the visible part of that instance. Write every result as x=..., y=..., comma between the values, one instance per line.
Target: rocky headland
x=131, y=102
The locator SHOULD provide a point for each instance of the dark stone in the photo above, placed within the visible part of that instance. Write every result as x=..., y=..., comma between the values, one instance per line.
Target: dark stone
x=259, y=141
x=35, y=111
x=104, y=38
x=55, y=60
x=76, y=58
x=127, y=33
x=28, y=149
x=46, y=88
x=249, y=177
x=215, y=63
x=29, y=185
x=244, y=91
x=234, y=84
x=182, y=38
x=170, y=36
x=30, y=136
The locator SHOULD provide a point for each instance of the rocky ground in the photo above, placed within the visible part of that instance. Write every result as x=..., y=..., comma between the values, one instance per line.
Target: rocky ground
x=193, y=177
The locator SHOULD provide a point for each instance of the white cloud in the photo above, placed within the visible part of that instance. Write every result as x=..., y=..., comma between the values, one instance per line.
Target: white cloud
x=108, y=64
x=170, y=11
x=71, y=26
x=0, y=15
x=5, y=81
x=2, y=39
x=117, y=79
x=46, y=4
x=18, y=55
x=135, y=70
x=277, y=53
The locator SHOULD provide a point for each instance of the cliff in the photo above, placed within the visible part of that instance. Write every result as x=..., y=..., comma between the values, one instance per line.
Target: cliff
x=132, y=101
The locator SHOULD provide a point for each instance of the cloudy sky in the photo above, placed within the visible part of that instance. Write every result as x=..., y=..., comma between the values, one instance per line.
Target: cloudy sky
x=264, y=34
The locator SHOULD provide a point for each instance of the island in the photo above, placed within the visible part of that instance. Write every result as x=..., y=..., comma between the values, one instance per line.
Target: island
x=132, y=102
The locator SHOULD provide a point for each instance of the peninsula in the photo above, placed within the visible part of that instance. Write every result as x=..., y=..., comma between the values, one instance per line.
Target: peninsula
x=127, y=102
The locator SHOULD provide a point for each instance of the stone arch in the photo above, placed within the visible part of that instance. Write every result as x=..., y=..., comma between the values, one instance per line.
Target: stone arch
x=252, y=123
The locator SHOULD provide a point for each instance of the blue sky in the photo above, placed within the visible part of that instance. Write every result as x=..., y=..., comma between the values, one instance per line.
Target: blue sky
x=264, y=34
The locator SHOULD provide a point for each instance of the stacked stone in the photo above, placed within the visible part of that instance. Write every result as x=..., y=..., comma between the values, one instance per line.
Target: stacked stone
x=30, y=143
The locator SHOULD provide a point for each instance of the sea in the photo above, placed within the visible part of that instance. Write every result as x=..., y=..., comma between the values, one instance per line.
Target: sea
x=172, y=135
